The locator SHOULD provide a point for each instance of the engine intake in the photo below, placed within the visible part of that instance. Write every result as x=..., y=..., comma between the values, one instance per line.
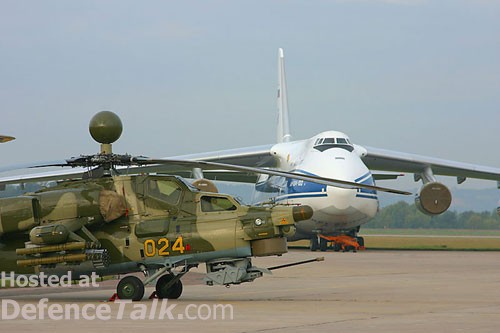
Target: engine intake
x=433, y=199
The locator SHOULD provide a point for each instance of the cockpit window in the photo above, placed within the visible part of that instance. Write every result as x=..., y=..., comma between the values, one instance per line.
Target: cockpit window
x=216, y=204
x=327, y=143
x=164, y=190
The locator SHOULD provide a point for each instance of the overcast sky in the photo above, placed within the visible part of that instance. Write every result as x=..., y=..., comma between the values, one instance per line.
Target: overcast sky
x=193, y=76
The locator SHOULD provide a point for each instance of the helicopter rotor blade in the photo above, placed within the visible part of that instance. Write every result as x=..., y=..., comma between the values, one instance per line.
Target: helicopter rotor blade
x=113, y=160
x=286, y=174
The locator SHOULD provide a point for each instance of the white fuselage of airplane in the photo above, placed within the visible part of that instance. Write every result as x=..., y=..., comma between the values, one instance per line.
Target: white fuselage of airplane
x=329, y=154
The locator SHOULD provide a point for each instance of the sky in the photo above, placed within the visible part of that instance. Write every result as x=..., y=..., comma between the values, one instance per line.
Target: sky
x=194, y=76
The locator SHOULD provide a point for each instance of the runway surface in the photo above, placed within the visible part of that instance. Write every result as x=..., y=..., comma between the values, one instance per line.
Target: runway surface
x=371, y=291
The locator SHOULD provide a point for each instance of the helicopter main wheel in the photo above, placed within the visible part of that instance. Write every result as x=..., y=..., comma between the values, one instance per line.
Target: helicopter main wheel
x=130, y=287
x=172, y=292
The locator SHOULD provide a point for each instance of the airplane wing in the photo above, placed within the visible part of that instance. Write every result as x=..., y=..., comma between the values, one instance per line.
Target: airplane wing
x=257, y=156
x=388, y=160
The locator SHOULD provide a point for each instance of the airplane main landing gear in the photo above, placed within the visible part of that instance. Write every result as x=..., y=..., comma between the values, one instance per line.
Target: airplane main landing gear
x=314, y=243
x=319, y=243
x=323, y=244
x=342, y=243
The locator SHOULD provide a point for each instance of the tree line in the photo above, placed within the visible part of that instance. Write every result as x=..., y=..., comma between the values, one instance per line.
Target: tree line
x=402, y=215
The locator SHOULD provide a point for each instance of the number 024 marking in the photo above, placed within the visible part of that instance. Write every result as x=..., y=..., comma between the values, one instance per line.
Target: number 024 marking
x=161, y=246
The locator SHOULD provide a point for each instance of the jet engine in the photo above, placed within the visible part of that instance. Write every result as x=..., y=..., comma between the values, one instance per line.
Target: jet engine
x=433, y=198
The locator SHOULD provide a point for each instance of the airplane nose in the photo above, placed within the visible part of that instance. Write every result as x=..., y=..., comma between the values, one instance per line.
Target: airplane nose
x=342, y=198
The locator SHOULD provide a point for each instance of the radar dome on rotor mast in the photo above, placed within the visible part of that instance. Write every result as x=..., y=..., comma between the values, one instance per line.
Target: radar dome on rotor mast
x=105, y=127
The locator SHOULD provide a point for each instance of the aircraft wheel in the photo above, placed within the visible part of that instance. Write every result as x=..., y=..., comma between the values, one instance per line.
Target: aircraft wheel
x=314, y=243
x=323, y=244
x=337, y=247
x=130, y=287
x=349, y=248
x=172, y=292
x=361, y=241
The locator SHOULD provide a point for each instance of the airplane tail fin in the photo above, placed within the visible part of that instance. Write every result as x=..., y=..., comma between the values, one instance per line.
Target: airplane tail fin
x=283, y=133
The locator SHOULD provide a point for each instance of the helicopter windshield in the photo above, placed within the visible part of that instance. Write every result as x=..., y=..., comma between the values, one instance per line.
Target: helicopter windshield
x=164, y=190
x=216, y=204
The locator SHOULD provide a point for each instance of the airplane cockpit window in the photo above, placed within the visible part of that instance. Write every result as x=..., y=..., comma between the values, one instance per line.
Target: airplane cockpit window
x=216, y=204
x=328, y=143
x=164, y=190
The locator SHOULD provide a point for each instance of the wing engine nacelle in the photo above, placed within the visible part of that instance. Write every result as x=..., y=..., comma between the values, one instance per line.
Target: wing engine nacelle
x=433, y=199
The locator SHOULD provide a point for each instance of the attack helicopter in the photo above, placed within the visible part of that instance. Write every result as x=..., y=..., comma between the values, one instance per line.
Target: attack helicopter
x=114, y=219
x=6, y=138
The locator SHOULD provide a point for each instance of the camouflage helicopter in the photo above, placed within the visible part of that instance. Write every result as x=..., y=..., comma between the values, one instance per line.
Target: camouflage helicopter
x=6, y=138
x=116, y=220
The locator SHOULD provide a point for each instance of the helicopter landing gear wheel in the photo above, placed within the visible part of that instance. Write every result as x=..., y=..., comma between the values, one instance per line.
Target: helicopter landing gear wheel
x=165, y=289
x=130, y=287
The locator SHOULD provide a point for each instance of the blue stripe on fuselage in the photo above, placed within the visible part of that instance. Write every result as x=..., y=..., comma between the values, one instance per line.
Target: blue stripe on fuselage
x=294, y=186
x=366, y=179
x=297, y=189
x=300, y=196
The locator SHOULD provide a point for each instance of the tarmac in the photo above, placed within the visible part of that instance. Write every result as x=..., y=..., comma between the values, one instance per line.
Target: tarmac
x=368, y=291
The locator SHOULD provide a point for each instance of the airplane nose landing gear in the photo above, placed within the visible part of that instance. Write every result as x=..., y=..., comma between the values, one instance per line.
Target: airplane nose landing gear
x=344, y=243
